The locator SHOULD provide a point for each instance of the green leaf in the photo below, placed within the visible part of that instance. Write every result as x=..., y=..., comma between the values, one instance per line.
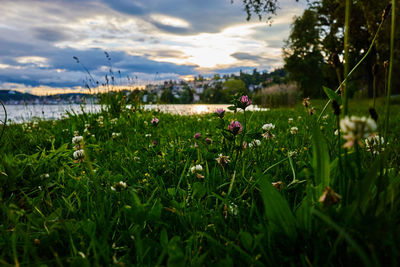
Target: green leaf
x=277, y=210
x=198, y=190
x=246, y=239
x=320, y=159
x=332, y=95
x=164, y=238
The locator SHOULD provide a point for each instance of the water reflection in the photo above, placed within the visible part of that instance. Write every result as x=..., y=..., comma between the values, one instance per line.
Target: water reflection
x=20, y=113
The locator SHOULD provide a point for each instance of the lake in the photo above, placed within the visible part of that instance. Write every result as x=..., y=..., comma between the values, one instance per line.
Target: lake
x=21, y=113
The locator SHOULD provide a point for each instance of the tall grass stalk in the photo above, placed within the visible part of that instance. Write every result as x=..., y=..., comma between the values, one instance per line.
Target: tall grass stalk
x=354, y=68
x=345, y=93
x=389, y=87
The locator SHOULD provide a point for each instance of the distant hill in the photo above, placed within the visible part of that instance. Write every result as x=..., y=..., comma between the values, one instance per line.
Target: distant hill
x=13, y=97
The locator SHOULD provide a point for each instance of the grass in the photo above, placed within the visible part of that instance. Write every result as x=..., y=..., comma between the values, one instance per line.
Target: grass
x=264, y=207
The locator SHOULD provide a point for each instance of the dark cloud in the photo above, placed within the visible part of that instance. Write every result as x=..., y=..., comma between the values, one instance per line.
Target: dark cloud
x=245, y=56
x=51, y=34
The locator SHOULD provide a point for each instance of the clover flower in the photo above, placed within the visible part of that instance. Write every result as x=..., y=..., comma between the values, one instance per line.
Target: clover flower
x=329, y=197
x=196, y=136
x=306, y=102
x=115, y=135
x=77, y=140
x=255, y=143
x=290, y=120
x=119, y=186
x=197, y=168
x=208, y=140
x=154, y=121
x=356, y=129
x=244, y=102
x=294, y=130
x=79, y=154
x=223, y=160
x=235, y=127
x=373, y=143
x=268, y=135
x=220, y=112
x=268, y=127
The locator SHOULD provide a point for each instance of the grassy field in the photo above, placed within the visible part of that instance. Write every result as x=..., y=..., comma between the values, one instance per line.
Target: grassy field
x=195, y=190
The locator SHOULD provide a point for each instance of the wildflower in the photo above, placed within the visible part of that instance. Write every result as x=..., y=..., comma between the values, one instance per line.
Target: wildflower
x=268, y=127
x=115, y=135
x=147, y=135
x=233, y=209
x=235, y=127
x=244, y=102
x=268, y=135
x=299, y=118
x=356, y=129
x=373, y=142
x=197, y=168
x=290, y=120
x=100, y=120
x=79, y=154
x=220, y=112
x=255, y=143
x=329, y=197
x=208, y=140
x=306, y=102
x=154, y=121
x=45, y=175
x=294, y=130
x=277, y=185
x=35, y=124
x=76, y=133
x=292, y=154
x=114, y=121
x=196, y=136
x=311, y=111
x=77, y=140
x=325, y=117
x=244, y=144
x=119, y=186
x=223, y=160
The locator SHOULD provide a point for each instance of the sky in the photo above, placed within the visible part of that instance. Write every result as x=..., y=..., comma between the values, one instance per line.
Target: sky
x=146, y=40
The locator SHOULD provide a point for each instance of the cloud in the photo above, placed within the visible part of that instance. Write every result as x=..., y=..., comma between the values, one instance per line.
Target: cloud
x=151, y=39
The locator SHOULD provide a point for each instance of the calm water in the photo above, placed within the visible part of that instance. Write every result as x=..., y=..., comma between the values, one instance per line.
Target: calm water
x=21, y=113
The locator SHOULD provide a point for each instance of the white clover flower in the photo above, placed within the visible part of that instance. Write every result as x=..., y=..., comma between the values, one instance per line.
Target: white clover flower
x=268, y=127
x=356, y=129
x=290, y=120
x=77, y=140
x=114, y=121
x=79, y=154
x=76, y=133
x=119, y=186
x=115, y=135
x=294, y=130
x=292, y=154
x=147, y=135
x=325, y=117
x=374, y=142
x=222, y=160
x=233, y=209
x=268, y=135
x=197, y=168
x=255, y=143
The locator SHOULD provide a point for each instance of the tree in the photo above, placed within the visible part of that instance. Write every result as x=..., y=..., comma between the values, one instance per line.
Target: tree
x=303, y=56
